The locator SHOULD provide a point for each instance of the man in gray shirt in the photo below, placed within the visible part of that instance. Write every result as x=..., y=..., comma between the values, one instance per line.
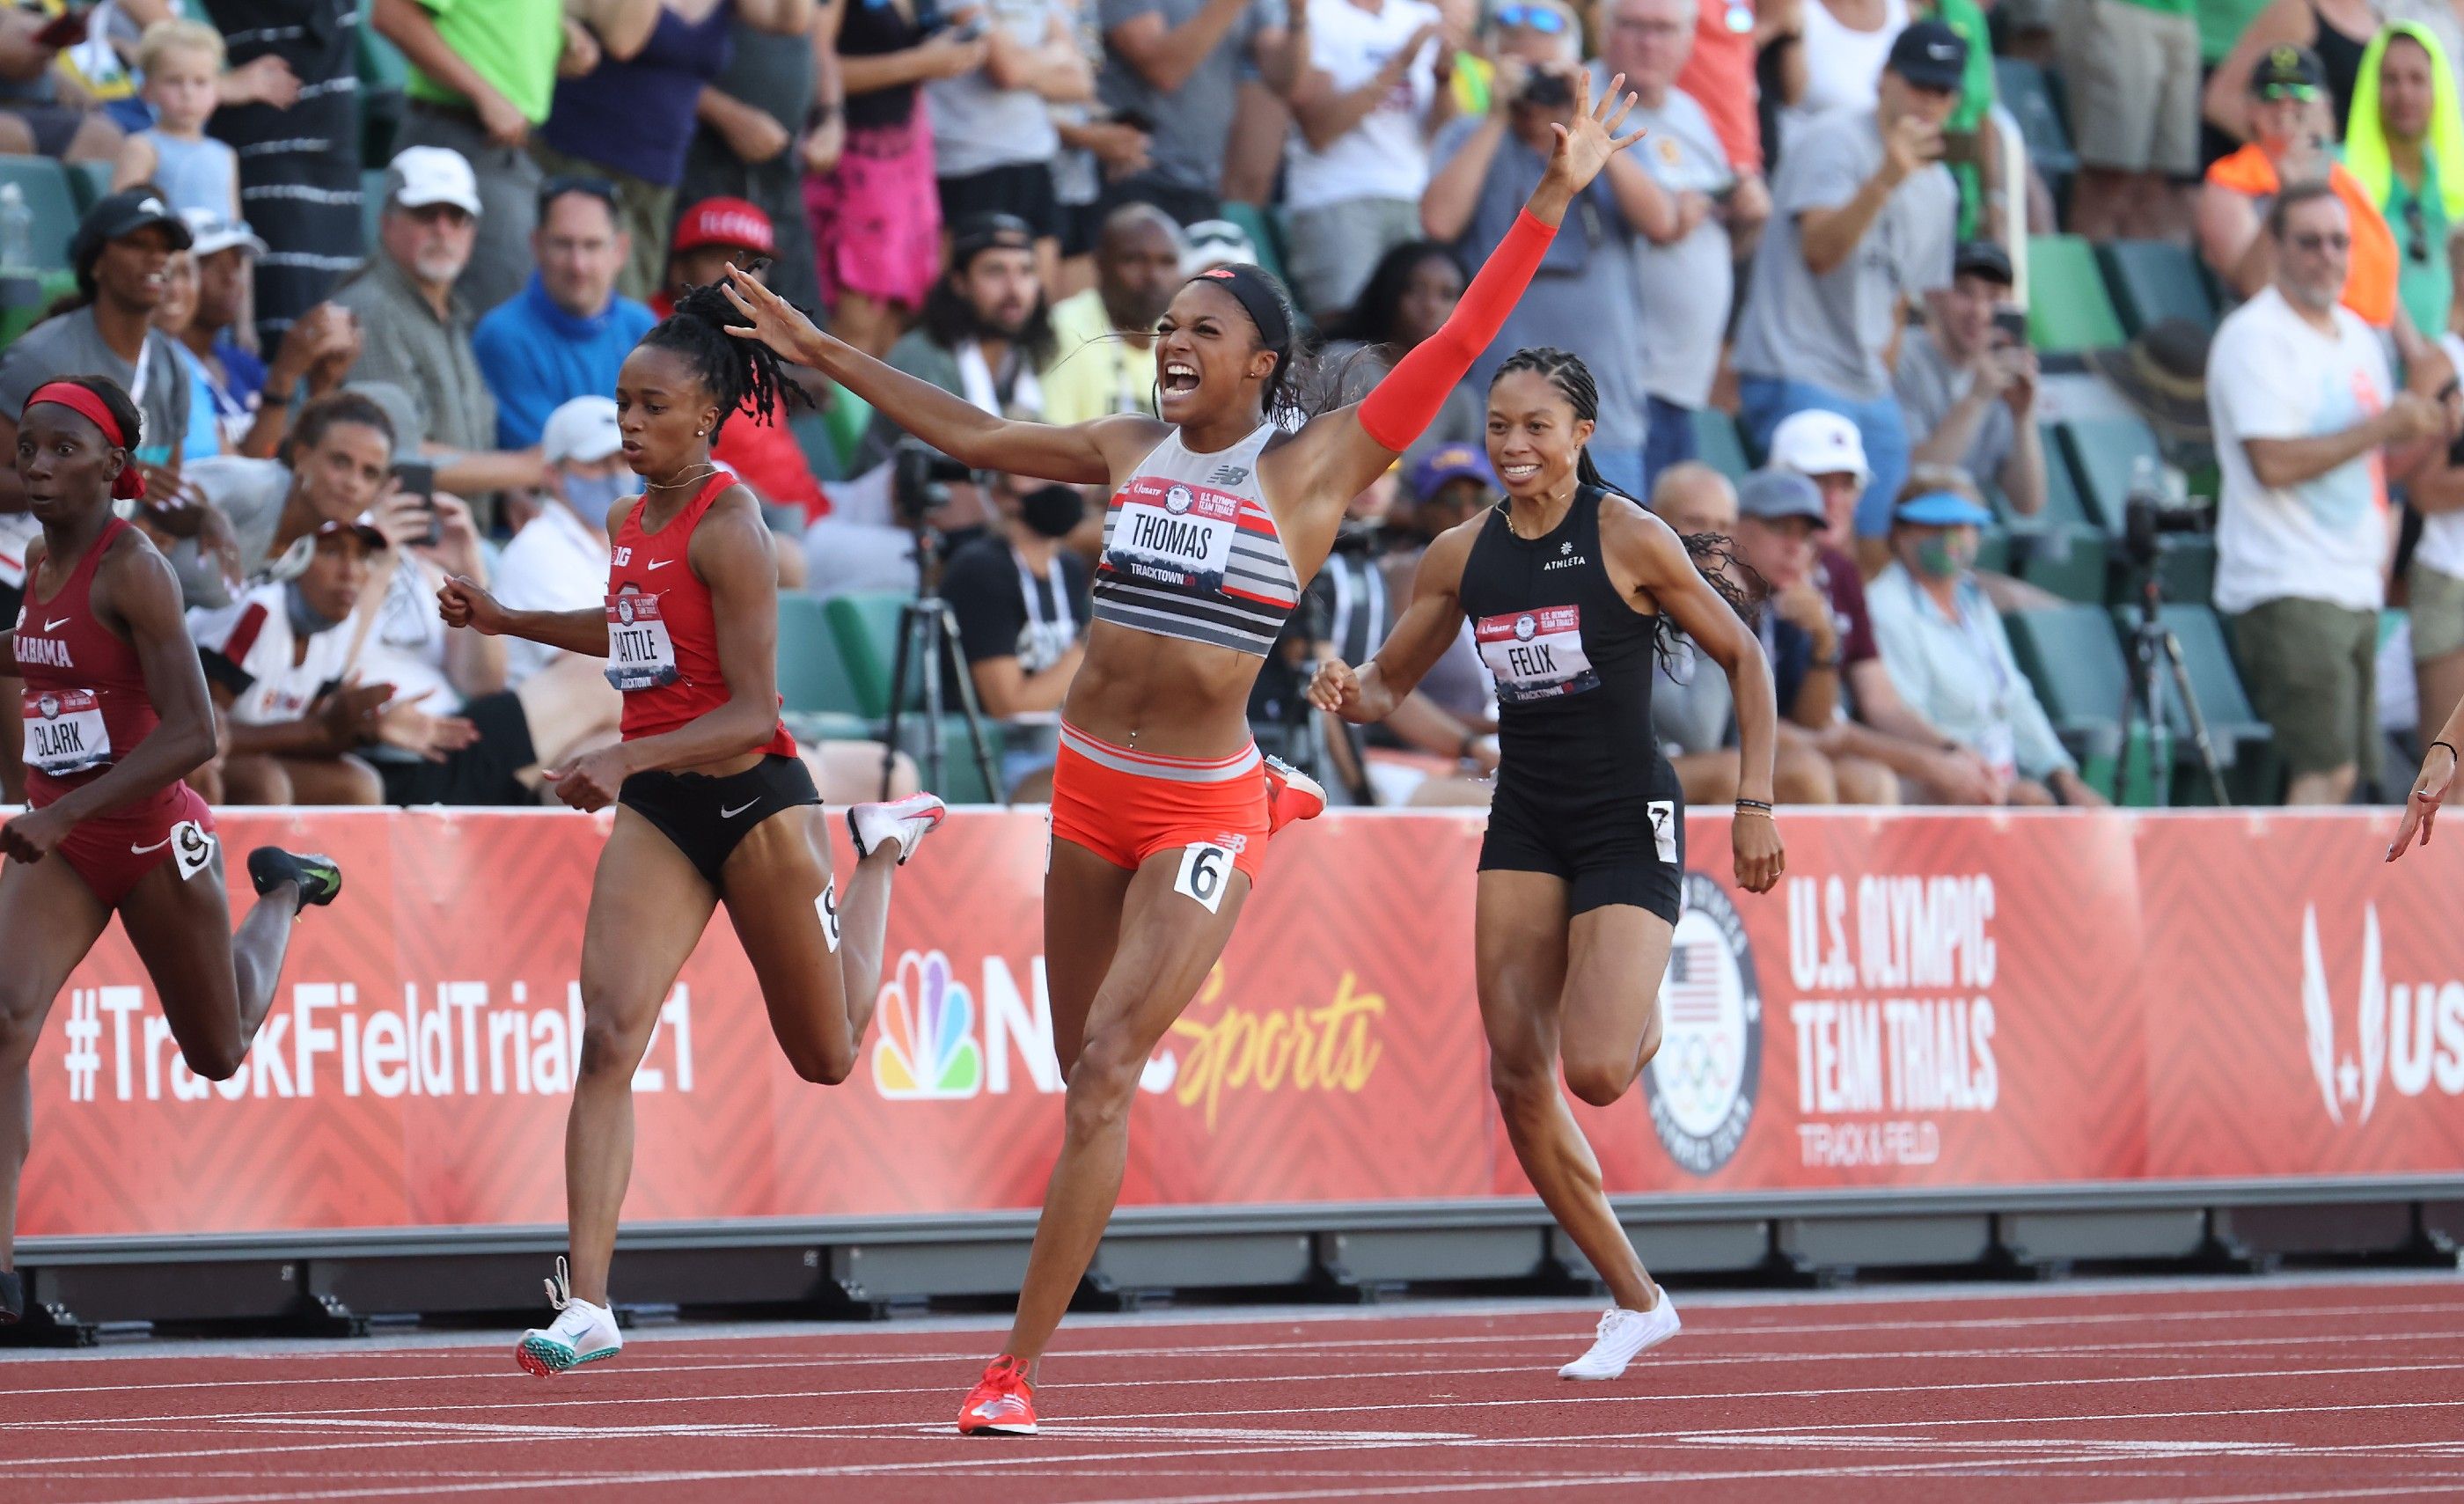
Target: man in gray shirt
x=1863, y=218
x=1684, y=266
x=1176, y=66
x=1967, y=386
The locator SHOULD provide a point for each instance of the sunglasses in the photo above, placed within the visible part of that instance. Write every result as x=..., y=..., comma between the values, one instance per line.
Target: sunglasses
x=2314, y=242
x=1530, y=18
x=2304, y=91
x=2416, y=231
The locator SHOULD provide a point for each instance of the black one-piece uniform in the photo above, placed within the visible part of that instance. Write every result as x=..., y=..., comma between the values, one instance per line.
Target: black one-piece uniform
x=1582, y=791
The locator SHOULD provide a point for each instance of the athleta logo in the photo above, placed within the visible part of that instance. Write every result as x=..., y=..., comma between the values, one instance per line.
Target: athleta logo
x=49, y=652
x=2410, y=1034
x=1565, y=563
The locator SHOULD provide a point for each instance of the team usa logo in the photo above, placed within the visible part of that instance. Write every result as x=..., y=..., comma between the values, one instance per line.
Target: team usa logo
x=927, y=1050
x=1701, y=1086
x=1526, y=628
x=1178, y=501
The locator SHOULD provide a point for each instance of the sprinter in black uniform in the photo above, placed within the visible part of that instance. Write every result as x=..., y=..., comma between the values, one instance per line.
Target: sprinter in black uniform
x=1570, y=590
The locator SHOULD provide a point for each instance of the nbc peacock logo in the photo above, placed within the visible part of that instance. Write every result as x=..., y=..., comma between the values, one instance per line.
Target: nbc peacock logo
x=927, y=1050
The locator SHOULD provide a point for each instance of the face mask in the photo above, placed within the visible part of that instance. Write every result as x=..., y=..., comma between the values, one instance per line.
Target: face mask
x=590, y=496
x=1052, y=511
x=1947, y=556
x=305, y=623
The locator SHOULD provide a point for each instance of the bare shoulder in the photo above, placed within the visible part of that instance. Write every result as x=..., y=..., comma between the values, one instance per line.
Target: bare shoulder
x=625, y=507
x=1630, y=528
x=131, y=572
x=730, y=532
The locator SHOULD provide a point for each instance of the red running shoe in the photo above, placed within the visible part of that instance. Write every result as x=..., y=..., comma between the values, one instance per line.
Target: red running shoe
x=1291, y=795
x=1002, y=1404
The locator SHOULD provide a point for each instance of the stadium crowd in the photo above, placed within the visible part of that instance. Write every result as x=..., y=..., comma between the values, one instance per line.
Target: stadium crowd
x=369, y=274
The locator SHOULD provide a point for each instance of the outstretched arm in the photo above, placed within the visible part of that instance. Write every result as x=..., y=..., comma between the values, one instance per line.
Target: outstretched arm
x=2429, y=786
x=1076, y=453
x=1420, y=637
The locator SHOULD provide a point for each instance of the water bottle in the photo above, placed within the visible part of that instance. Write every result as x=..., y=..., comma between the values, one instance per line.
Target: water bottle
x=16, y=230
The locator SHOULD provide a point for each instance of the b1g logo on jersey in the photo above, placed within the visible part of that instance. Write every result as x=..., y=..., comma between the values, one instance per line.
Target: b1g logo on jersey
x=1702, y=1085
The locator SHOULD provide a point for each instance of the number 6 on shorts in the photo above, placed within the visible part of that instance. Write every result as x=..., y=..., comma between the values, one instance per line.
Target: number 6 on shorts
x=1205, y=869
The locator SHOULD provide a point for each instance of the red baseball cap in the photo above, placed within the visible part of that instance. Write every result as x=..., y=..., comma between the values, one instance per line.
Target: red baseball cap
x=725, y=222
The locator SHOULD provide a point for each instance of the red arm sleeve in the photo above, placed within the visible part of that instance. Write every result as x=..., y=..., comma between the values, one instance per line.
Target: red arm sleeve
x=1406, y=402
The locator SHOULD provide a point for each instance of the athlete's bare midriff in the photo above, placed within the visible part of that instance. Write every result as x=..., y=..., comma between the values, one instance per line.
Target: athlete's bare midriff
x=1161, y=695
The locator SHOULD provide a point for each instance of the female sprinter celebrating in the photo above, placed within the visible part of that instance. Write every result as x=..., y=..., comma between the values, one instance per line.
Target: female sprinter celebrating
x=1160, y=813
x=1568, y=588
x=116, y=716
x=713, y=805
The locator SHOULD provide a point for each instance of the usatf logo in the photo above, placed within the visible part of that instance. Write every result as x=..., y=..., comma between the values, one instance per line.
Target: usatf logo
x=2408, y=1034
x=927, y=1050
x=1701, y=1086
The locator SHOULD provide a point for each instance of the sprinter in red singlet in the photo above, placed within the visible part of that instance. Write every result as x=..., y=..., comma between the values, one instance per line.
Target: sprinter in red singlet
x=116, y=715
x=1161, y=805
x=713, y=805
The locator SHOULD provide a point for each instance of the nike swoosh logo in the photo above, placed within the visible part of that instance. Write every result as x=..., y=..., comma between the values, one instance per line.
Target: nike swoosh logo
x=140, y=850
x=659, y=564
x=57, y=625
x=729, y=814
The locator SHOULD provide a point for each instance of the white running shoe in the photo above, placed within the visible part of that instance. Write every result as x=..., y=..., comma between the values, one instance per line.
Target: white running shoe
x=581, y=1333
x=1624, y=1335
x=904, y=820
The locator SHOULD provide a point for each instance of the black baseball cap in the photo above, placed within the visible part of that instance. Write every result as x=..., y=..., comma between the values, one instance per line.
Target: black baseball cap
x=1930, y=56
x=991, y=231
x=1983, y=258
x=2288, y=68
x=125, y=214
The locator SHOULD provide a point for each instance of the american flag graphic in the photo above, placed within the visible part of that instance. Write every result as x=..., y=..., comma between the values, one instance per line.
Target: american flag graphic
x=1692, y=990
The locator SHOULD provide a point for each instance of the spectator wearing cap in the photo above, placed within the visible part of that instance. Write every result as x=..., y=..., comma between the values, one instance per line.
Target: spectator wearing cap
x=415, y=323
x=1443, y=487
x=122, y=252
x=291, y=109
x=1946, y=650
x=1863, y=220
x=255, y=403
x=2132, y=71
x=277, y=662
x=568, y=330
x=2338, y=32
x=1880, y=726
x=713, y=235
x=1176, y=65
x=2292, y=142
x=1485, y=167
x=2405, y=145
x=1364, y=112
x=482, y=77
x=1684, y=270
x=1968, y=386
x=994, y=137
x=2309, y=428
x=1214, y=243
x=985, y=332
x=337, y=461
x=1104, y=337
x=559, y=560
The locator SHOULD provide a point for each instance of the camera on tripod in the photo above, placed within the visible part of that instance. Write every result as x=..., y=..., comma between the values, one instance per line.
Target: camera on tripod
x=2157, y=504
x=920, y=479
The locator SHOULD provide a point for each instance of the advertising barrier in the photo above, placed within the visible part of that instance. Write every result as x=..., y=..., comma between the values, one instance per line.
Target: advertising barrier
x=1925, y=1001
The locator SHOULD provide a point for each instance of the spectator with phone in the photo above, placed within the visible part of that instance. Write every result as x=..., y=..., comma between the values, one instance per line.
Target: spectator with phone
x=566, y=334
x=292, y=716
x=1175, y=67
x=1863, y=222
x=1966, y=381
x=1022, y=605
x=1485, y=167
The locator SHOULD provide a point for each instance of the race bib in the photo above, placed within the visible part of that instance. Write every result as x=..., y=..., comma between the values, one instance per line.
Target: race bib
x=1534, y=654
x=64, y=732
x=826, y=906
x=640, y=653
x=1174, y=534
x=192, y=849
x=1205, y=870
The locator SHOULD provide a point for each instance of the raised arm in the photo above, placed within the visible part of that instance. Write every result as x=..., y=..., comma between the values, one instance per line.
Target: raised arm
x=1419, y=638
x=1076, y=453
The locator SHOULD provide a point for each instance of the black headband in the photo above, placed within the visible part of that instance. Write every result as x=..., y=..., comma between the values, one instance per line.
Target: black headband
x=1257, y=296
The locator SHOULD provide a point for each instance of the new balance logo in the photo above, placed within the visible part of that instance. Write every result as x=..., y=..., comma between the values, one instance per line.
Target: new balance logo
x=1229, y=474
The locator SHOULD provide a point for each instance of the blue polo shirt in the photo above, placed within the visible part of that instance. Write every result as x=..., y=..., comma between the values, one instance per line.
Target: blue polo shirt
x=536, y=356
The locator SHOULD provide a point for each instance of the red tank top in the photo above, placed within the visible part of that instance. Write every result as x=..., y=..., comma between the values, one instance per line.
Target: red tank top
x=662, y=638
x=85, y=704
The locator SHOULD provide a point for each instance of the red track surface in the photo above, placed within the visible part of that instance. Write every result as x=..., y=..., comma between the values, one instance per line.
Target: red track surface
x=2278, y=1391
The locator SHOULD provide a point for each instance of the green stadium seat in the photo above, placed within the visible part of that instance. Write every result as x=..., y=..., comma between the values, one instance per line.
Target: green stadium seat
x=49, y=199
x=1719, y=444
x=2027, y=91
x=866, y=627
x=846, y=420
x=1263, y=232
x=2069, y=311
x=2103, y=453
x=812, y=672
x=88, y=182
x=2063, y=506
x=2153, y=281
x=2241, y=738
x=2186, y=567
x=2073, y=658
x=2061, y=550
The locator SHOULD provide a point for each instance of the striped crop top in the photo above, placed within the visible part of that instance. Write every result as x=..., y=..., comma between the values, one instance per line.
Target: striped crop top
x=1190, y=550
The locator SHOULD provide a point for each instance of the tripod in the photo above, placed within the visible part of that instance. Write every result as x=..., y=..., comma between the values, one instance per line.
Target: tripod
x=2144, y=701
x=926, y=631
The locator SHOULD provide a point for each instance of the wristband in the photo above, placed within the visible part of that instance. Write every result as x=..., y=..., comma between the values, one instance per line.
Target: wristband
x=1752, y=806
x=2451, y=749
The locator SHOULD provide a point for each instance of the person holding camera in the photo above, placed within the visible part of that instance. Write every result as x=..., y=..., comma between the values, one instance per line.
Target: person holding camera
x=1863, y=218
x=1966, y=381
x=1021, y=599
x=1585, y=285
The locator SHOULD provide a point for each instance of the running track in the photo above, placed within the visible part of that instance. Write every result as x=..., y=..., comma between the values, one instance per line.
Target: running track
x=2248, y=1391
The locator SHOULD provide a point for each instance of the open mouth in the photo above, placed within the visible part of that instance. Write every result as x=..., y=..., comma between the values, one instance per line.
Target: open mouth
x=1180, y=378
x=1516, y=475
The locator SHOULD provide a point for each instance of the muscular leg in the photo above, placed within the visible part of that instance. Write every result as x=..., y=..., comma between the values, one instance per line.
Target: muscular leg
x=1526, y=974
x=819, y=1004
x=215, y=986
x=12, y=770
x=647, y=909
x=1168, y=943
x=49, y=920
x=1083, y=899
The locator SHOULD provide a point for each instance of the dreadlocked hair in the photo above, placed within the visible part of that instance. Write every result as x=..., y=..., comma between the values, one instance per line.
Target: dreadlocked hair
x=1714, y=554
x=742, y=374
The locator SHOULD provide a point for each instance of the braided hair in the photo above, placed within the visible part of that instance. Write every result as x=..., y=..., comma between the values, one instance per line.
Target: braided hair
x=741, y=374
x=1714, y=554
